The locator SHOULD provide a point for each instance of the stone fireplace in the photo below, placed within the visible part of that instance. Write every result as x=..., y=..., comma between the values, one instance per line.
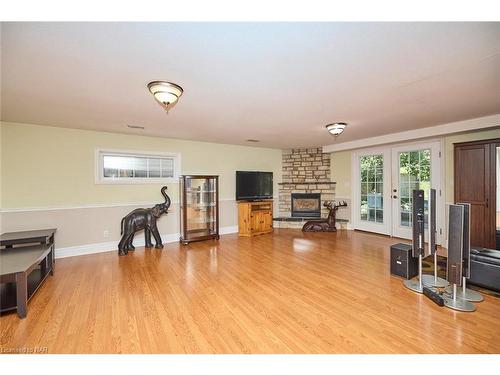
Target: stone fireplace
x=305, y=171
x=306, y=205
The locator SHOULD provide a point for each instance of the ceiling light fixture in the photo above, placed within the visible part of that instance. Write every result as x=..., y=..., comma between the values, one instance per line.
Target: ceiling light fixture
x=165, y=93
x=336, y=128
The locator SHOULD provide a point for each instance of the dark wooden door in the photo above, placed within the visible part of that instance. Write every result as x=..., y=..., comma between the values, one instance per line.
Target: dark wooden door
x=475, y=184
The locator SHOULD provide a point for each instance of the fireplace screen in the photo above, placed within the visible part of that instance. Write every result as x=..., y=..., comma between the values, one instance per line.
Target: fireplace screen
x=306, y=205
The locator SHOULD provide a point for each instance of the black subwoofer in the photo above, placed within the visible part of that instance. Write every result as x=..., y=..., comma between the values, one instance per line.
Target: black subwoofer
x=402, y=262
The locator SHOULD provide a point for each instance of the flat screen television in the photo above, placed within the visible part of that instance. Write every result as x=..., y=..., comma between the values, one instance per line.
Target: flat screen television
x=254, y=185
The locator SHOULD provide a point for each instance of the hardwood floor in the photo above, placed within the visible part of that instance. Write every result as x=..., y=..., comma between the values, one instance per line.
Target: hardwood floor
x=289, y=292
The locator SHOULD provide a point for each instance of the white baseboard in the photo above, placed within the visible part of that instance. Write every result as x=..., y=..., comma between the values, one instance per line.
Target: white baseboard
x=103, y=247
x=228, y=230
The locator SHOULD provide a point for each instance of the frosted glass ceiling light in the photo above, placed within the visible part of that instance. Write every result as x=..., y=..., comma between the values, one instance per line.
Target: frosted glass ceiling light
x=165, y=93
x=336, y=128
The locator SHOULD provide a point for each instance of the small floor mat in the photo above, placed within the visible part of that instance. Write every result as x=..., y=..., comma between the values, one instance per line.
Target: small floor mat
x=428, y=268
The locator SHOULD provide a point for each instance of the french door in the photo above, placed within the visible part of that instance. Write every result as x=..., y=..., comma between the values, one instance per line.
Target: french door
x=372, y=191
x=414, y=166
x=384, y=179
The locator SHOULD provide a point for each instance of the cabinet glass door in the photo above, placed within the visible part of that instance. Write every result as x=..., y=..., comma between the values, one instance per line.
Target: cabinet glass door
x=199, y=207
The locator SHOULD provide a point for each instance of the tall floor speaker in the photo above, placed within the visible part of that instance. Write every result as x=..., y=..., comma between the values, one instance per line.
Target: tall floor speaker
x=418, y=241
x=455, y=259
x=433, y=280
x=464, y=292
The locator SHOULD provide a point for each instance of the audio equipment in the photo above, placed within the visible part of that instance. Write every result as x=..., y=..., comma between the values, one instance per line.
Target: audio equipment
x=433, y=280
x=418, y=243
x=402, y=262
x=464, y=292
x=466, y=241
x=455, y=259
x=418, y=223
x=455, y=244
x=433, y=296
x=432, y=222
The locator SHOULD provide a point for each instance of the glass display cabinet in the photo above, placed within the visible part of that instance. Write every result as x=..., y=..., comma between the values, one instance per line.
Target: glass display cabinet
x=199, y=203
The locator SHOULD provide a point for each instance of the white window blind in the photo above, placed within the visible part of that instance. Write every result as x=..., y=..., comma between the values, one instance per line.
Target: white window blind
x=116, y=166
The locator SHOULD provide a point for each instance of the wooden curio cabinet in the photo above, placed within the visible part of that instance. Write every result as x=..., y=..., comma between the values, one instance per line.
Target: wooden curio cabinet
x=199, y=208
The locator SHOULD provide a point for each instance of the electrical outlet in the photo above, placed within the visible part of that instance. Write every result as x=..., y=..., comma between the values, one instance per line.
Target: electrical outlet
x=106, y=234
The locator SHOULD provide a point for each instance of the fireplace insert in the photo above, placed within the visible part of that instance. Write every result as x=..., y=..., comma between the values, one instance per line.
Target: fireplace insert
x=306, y=205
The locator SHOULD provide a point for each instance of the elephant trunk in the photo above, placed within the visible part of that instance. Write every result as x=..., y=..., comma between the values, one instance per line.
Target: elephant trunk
x=167, y=198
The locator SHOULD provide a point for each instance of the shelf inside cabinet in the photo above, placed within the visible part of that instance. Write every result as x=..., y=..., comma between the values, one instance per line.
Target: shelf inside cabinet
x=200, y=221
x=201, y=205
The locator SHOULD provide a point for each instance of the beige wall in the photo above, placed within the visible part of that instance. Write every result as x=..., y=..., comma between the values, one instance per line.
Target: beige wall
x=52, y=170
x=83, y=226
x=49, y=166
x=341, y=163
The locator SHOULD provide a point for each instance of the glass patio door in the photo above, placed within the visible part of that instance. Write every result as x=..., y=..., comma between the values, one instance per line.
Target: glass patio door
x=383, y=183
x=372, y=191
x=413, y=167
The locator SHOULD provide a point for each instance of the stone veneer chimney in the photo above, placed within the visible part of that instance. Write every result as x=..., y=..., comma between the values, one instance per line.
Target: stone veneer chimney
x=305, y=170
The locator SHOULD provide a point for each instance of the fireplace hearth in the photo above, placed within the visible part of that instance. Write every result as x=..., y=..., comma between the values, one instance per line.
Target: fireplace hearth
x=306, y=205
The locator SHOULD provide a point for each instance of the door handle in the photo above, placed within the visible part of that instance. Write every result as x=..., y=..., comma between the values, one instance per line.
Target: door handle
x=487, y=202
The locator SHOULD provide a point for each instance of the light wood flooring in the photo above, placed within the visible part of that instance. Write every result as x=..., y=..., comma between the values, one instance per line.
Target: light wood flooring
x=288, y=292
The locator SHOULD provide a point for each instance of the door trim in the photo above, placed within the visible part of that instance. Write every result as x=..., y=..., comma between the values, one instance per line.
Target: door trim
x=384, y=228
x=493, y=144
x=441, y=198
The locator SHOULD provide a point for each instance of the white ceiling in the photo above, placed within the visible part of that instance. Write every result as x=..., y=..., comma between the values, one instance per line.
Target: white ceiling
x=280, y=83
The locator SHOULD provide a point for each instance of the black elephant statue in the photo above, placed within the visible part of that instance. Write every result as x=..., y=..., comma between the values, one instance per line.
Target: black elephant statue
x=139, y=219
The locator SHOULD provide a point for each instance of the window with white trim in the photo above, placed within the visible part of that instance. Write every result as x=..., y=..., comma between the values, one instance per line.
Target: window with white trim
x=136, y=167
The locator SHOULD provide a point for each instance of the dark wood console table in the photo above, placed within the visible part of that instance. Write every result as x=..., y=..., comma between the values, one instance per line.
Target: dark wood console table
x=26, y=259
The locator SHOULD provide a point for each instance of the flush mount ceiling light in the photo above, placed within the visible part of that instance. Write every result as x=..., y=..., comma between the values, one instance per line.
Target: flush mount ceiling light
x=336, y=128
x=165, y=93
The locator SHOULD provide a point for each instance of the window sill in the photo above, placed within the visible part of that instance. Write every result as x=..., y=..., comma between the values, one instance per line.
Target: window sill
x=137, y=181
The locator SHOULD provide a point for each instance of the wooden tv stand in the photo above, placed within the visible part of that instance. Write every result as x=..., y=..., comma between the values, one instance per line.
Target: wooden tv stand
x=255, y=218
